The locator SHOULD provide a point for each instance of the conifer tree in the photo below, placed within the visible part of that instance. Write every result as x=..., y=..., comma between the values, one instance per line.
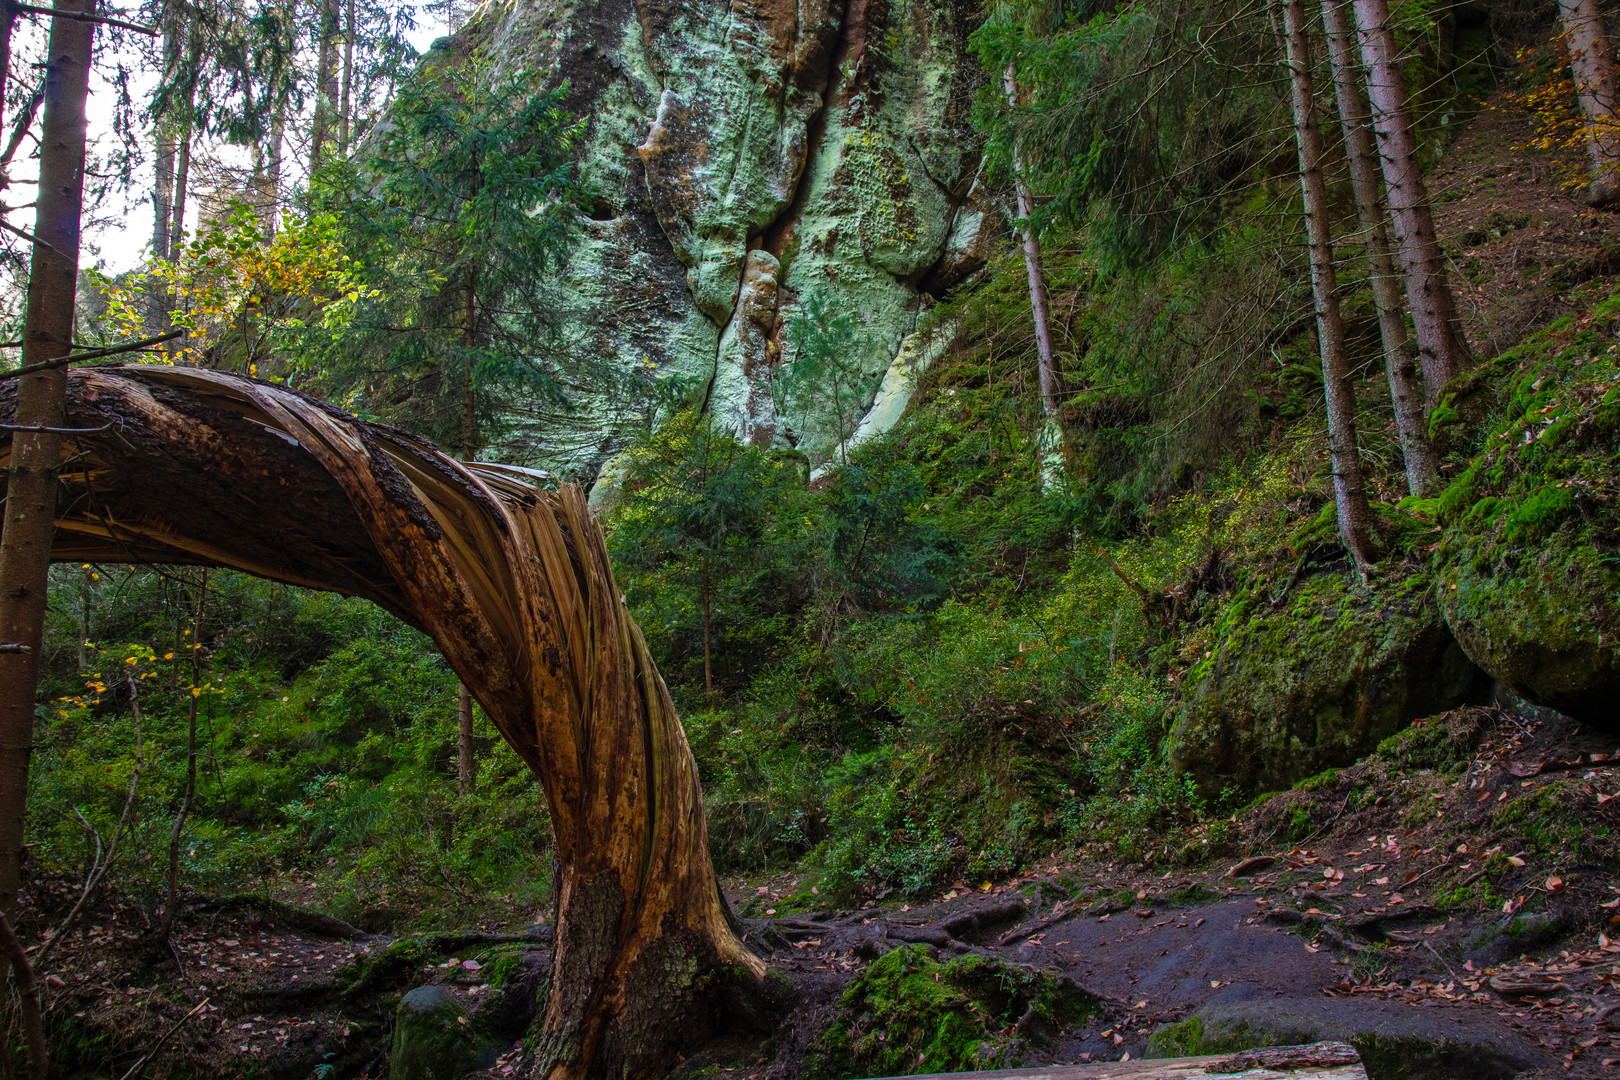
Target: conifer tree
x=1441, y=347
x=1400, y=367
x=25, y=538
x=1591, y=61
x=1349, y=482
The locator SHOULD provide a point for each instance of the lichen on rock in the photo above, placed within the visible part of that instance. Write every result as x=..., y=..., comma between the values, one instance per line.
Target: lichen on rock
x=747, y=157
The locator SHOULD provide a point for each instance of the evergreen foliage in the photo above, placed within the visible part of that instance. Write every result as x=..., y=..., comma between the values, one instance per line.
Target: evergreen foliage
x=456, y=223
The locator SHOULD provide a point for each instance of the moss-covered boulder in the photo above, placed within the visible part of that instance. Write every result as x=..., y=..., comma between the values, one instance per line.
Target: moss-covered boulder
x=434, y=1038
x=911, y=1013
x=1528, y=569
x=1317, y=682
x=1542, y=620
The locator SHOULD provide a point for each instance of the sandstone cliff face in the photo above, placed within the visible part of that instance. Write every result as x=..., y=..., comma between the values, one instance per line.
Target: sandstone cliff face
x=752, y=154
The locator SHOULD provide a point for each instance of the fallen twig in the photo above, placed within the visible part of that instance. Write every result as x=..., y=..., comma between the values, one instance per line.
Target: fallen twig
x=139, y=1065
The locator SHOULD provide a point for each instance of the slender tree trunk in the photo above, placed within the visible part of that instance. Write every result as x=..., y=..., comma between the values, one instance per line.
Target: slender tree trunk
x=515, y=587
x=1405, y=382
x=163, y=187
x=346, y=103
x=322, y=126
x=1441, y=348
x=708, y=675
x=85, y=596
x=1349, y=484
x=182, y=191
x=273, y=167
x=171, y=905
x=1039, y=305
x=1591, y=61
x=25, y=542
x=8, y=23
x=466, y=764
x=182, y=161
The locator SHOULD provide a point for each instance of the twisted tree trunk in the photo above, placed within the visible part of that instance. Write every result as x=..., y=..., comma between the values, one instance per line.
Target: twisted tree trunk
x=514, y=586
x=1441, y=347
x=1591, y=62
x=1349, y=482
x=1405, y=383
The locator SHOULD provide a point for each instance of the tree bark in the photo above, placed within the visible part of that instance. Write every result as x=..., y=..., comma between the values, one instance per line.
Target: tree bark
x=1039, y=305
x=346, y=102
x=514, y=586
x=273, y=167
x=1349, y=483
x=1442, y=349
x=32, y=457
x=1400, y=366
x=1591, y=62
x=171, y=902
x=326, y=89
x=163, y=185
x=466, y=764
x=182, y=184
x=708, y=677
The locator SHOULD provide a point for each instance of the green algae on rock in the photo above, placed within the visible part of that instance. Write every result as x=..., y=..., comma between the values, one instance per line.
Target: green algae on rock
x=909, y=1013
x=748, y=160
x=1318, y=683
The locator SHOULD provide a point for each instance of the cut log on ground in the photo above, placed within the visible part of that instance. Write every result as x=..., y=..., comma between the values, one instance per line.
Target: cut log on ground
x=178, y=465
x=1318, y=1061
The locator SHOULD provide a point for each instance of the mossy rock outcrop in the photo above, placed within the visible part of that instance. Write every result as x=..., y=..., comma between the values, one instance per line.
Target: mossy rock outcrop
x=1317, y=683
x=1543, y=620
x=1528, y=571
x=911, y=1013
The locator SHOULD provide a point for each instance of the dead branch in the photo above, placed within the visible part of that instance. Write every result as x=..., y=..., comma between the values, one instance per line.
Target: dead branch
x=93, y=354
x=139, y=1065
x=85, y=16
x=38, y=1054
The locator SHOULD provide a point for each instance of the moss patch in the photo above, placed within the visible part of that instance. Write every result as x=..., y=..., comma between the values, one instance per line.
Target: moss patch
x=1315, y=684
x=909, y=1013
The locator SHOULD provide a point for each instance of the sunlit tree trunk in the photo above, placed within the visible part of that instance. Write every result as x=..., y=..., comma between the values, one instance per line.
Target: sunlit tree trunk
x=1405, y=382
x=1349, y=483
x=1441, y=347
x=514, y=586
x=1591, y=61
x=1039, y=304
x=25, y=542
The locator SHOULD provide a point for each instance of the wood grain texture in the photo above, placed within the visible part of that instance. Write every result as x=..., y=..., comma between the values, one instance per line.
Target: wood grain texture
x=514, y=586
x=1317, y=1061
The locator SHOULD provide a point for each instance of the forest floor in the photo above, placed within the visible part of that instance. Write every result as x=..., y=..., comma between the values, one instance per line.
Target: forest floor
x=1453, y=917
